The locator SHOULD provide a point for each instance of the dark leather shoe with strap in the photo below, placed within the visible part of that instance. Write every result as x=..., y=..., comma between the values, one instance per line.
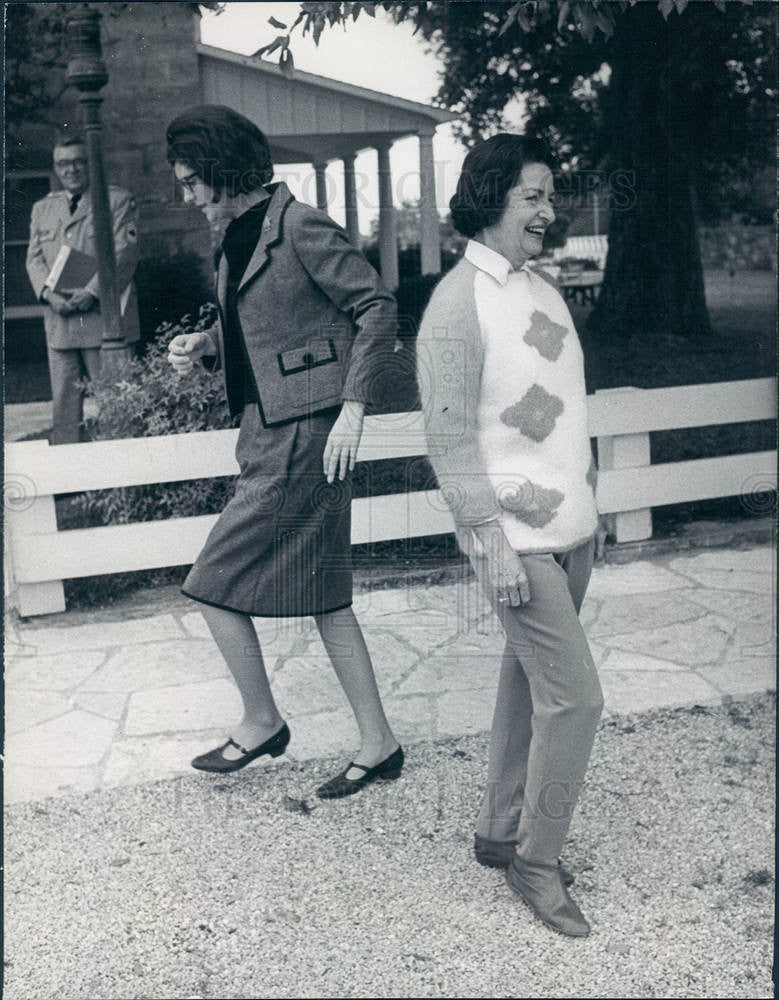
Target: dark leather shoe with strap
x=340, y=786
x=541, y=887
x=216, y=761
x=500, y=853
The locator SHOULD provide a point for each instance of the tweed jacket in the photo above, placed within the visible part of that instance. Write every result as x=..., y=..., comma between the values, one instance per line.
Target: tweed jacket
x=51, y=226
x=306, y=285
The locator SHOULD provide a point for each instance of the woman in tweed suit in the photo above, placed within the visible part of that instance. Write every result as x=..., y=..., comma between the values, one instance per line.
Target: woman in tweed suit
x=305, y=329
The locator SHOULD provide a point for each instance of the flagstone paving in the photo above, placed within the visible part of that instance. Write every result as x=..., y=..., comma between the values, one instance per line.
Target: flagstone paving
x=118, y=700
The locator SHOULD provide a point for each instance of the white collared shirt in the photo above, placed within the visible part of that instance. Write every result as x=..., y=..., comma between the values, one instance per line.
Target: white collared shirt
x=490, y=261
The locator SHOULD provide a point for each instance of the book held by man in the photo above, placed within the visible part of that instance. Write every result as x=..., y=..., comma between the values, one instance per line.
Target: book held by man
x=73, y=268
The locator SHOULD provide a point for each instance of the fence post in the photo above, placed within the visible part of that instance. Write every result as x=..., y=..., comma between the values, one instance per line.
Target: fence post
x=626, y=451
x=29, y=513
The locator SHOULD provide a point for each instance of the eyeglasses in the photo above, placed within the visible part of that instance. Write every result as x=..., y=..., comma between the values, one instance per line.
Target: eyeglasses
x=189, y=182
x=76, y=163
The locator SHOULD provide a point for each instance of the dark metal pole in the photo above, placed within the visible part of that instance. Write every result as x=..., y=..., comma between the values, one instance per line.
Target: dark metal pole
x=87, y=72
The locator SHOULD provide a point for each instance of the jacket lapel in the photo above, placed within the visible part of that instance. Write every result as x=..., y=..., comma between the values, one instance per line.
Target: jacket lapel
x=270, y=236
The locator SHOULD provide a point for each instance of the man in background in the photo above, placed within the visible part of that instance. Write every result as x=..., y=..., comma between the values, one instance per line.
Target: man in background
x=74, y=324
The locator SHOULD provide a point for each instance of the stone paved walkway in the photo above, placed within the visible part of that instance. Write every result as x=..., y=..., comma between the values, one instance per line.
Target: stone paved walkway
x=21, y=419
x=121, y=700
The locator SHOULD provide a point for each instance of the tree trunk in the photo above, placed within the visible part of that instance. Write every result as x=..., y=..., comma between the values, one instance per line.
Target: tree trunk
x=653, y=282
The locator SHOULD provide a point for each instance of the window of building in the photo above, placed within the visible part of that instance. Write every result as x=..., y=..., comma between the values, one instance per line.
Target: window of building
x=22, y=188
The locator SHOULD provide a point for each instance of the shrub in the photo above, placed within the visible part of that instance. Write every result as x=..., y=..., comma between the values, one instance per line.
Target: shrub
x=148, y=400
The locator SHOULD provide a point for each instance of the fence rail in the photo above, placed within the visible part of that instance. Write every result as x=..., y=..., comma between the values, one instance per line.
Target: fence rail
x=39, y=557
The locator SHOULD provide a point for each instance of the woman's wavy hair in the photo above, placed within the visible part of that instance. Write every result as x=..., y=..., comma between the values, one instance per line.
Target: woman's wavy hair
x=222, y=147
x=490, y=171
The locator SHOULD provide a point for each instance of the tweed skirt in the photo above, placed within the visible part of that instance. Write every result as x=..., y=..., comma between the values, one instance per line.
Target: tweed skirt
x=282, y=546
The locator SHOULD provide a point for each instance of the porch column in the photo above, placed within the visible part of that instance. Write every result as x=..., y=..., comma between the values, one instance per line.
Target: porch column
x=388, y=239
x=430, y=238
x=350, y=198
x=321, y=185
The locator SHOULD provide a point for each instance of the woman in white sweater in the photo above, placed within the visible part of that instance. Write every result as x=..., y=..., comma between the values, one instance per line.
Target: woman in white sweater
x=502, y=384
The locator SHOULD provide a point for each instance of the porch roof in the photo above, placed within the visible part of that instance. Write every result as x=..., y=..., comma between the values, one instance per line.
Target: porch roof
x=309, y=118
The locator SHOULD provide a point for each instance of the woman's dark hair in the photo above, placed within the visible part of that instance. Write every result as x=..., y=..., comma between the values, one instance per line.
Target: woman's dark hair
x=223, y=147
x=490, y=171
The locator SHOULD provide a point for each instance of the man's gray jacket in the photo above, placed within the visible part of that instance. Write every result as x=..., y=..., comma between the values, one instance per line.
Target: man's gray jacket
x=51, y=226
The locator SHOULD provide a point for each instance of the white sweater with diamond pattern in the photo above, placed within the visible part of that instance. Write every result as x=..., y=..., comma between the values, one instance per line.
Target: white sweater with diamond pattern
x=502, y=384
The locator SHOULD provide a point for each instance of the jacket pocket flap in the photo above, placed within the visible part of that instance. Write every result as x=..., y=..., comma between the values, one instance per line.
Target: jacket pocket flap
x=312, y=355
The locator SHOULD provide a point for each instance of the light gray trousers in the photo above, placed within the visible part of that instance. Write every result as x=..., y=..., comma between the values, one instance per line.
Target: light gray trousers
x=66, y=366
x=548, y=705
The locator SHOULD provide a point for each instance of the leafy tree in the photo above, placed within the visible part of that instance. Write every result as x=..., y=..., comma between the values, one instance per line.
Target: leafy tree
x=672, y=100
x=34, y=61
x=408, y=225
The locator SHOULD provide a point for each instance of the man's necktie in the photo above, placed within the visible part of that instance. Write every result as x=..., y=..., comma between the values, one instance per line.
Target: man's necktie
x=74, y=200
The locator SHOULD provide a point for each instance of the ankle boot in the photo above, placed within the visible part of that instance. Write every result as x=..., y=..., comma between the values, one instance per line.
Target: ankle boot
x=500, y=853
x=541, y=886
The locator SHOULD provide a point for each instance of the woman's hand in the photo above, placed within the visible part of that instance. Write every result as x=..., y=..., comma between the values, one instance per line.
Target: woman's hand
x=344, y=440
x=506, y=575
x=187, y=348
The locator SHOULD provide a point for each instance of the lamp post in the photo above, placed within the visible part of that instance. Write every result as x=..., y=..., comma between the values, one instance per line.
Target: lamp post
x=87, y=73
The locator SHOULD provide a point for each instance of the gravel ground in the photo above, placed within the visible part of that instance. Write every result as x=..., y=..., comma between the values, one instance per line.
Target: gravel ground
x=248, y=888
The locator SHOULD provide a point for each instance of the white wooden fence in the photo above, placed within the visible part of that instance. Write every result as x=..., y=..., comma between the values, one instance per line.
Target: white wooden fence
x=38, y=557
